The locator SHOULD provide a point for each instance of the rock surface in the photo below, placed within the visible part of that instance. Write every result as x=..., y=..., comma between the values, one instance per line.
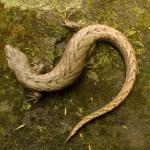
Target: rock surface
x=35, y=28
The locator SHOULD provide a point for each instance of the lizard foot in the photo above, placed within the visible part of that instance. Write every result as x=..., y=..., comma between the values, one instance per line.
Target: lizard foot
x=71, y=24
x=34, y=96
x=37, y=68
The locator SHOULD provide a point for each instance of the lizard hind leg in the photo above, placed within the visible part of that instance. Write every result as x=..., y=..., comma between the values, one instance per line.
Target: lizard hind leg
x=71, y=24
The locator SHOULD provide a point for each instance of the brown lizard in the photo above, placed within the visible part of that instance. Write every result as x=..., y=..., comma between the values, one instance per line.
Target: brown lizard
x=73, y=62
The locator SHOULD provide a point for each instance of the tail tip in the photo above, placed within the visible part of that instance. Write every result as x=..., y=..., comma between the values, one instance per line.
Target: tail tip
x=68, y=138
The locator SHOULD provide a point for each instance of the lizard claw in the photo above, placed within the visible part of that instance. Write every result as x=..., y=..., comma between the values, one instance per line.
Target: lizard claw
x=71, y=24
x=34, y=97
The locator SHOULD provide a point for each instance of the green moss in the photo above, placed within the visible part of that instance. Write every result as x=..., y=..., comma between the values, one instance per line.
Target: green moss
x=34, y=27
x=93, y=75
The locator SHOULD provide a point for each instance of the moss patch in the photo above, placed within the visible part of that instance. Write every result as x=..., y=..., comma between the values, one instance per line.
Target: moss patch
x=35, y=28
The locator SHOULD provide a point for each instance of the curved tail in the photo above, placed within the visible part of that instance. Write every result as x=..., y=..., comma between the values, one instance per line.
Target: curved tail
x=131, y=71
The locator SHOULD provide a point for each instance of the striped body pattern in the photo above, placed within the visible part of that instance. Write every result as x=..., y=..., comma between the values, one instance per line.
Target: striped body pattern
x=73, y=62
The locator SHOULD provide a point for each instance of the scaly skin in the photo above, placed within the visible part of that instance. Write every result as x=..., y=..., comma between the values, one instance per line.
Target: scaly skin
x=72, y=63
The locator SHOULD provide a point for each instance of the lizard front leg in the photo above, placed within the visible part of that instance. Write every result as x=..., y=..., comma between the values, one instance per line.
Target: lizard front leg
x=35, y=96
